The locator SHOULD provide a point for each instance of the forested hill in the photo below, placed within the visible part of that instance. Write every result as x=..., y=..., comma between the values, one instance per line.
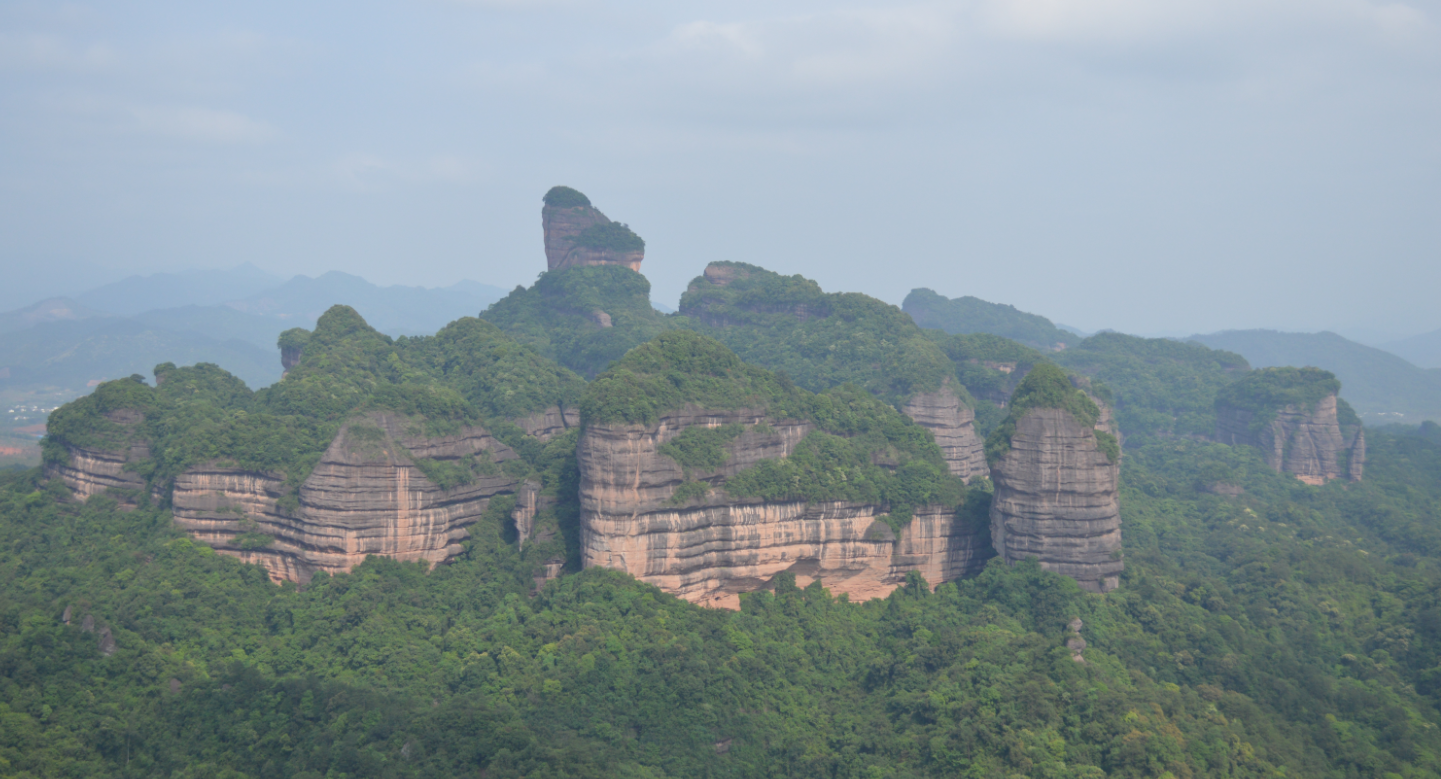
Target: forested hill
x=1261, y=627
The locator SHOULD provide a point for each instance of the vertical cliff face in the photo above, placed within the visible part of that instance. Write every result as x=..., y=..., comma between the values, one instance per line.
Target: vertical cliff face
x=1296, y=418
x=953, y=424
x=1056, y=499
x=367, y=495
x=577, y=233
x=1055, y=462
x=1306, y=442
x=710, y=548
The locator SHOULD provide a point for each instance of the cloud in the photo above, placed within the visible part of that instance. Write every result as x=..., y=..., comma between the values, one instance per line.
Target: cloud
x=201, y=124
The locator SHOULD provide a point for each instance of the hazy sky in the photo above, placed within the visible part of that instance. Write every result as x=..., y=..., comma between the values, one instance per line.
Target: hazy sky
x=1154, y=166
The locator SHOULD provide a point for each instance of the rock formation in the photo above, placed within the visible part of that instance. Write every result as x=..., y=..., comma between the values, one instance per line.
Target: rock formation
x=366, y=496
x=92, y=471
x=1316, y=441
x=1056, y=496
x=954, y=426
x=577, y=234
x=1308, y=443
x=711, y=549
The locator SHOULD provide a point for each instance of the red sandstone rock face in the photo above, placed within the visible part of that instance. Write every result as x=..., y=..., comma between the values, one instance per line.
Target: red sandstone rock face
x=366, y=496
x=954, y=426
x=561, y=225
x=1310, y=445
x=710, y=550
x=1056, y=499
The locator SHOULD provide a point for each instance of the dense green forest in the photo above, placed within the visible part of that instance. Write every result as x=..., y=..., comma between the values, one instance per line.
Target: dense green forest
x=1263, y=627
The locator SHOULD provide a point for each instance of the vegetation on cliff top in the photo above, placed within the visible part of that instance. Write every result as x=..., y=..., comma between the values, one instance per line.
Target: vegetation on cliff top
x=862, y=450
x=1047, y=386
x=1289, y=631
x=972, y=315
x=565, y=197
x=1269, y=390
x=611, y=235
x=468, y=372
x=820, y=340
x=1163, y=387
x=559, y=316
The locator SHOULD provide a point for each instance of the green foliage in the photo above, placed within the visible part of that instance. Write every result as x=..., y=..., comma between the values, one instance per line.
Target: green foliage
x=1268, y=391
x=556, y=317
x=701, y=447
x=449, y=474
x=973, y=315
x=294, y=338
x=988, y=366
x=689, y=491
x=466, y=373
x=1047, y=386
x=565, y=197
x=1289, y=631
x=819, y=340
x=681, y=367
x=1163, y=387
x=610, y=235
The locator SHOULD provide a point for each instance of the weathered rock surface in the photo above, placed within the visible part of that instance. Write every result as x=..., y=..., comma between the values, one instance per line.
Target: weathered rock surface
x=563, y=225
x=1056, y=499
x=90, y=471
x=954, y=426
x=710, y=550
x=1307, y=443
x=550, y=423
x=366, y=496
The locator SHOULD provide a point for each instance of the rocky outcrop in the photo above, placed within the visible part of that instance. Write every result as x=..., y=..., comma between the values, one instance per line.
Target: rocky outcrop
x=92, y=471
x=711, y=549
x=1056, y=499
x=366, y=496
x=1306, y=442
x=563, y=224
x=550, y=423
x=953, y=424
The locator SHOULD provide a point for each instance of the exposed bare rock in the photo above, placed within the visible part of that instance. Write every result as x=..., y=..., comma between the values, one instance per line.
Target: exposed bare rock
x=1308, y=443
x=1075, y=643
x=954, y=426
x=563, y=225
x=65, y=618
x=1056, y=499
x=87, y=623
x=550, y=423
x=710, y=550
x=366, y=496
x=90, y=471
x=106, y=642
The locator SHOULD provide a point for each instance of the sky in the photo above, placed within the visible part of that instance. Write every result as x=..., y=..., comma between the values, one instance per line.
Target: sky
x=1160, y=167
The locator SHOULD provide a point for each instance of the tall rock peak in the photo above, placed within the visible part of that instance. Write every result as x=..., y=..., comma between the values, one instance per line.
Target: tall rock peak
x=1297, y=419
x=578, y=234
x=1056, y=467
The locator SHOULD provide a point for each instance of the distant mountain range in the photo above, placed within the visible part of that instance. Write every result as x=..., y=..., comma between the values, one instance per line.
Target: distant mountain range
x=1423, y=350
x=963, y=315
x=229, y=317
x=1380, y=385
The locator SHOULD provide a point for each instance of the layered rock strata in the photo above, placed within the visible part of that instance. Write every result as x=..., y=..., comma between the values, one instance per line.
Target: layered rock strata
x=91, y=471
x=1308, y=443
x=550, y=423
x=953, y=424
x=563, y=225
x=712, y=549
x=365, y=497
x=1056, y=499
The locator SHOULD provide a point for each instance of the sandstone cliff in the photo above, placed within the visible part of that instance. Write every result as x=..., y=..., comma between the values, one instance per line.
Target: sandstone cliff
x=709, y=549
x=1055, y=462
x=953, y=424
x=366, y=496
x=569, y=221
x=91, y=471
x=1056, y=499
x=1307, y=442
